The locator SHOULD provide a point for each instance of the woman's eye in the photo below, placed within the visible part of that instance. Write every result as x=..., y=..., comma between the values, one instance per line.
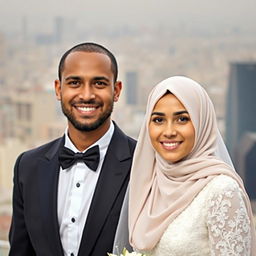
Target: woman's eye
x=157, y=120
x=183, y=119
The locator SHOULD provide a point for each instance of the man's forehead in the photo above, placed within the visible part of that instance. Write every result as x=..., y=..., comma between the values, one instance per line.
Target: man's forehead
x=87, y=59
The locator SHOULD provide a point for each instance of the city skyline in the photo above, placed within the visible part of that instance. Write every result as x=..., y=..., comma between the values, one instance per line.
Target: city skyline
x=197, y=14
x=151, y=41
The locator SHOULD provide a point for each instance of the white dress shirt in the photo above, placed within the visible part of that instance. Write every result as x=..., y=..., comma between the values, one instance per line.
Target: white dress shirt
x=75, y=191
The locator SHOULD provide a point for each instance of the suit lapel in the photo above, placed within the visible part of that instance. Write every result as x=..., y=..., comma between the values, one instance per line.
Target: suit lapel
x=48, y=188
x=113, y=173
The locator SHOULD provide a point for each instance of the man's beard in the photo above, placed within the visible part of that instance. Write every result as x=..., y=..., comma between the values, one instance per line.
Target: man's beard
x=87, y=127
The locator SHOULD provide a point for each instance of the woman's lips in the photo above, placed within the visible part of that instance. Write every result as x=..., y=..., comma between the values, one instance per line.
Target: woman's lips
x=170, y=145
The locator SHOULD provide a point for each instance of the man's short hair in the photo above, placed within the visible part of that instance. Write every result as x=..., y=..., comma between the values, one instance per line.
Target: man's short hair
x=89, y=47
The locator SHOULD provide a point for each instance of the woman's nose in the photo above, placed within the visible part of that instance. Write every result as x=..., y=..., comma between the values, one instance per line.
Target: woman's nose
x=170, y=131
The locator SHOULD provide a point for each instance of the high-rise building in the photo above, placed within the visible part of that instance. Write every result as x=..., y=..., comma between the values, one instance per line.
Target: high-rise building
x=245, y=164
x=24, y=29
x=241, y=103
x=131, y=84
x=245, y=157
x=36, y=117
x=250, y=178
x=58, y=29
x=7, y=118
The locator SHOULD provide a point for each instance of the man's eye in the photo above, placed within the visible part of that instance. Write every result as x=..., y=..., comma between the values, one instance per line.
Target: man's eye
x=100, y=83
x=73, y=82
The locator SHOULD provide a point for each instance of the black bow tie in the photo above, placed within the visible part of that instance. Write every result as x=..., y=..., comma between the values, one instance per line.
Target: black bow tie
x=91, y=157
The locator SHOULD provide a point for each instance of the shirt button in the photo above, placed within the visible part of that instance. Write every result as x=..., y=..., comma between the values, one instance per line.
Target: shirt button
x=73, y=219
x=78, y=184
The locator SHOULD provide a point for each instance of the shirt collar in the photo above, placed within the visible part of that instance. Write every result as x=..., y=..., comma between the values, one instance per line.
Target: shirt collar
x=103, y=142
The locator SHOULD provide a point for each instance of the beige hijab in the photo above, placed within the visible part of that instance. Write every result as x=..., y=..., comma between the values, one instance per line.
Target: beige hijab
x=159, y=191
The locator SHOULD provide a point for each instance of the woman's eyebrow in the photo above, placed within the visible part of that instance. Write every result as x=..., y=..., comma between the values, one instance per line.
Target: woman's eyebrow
x=180, y=112
x=175, y=113
x=158, y=114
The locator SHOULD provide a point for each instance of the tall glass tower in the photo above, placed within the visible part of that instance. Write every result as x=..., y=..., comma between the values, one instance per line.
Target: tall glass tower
x=241, y=103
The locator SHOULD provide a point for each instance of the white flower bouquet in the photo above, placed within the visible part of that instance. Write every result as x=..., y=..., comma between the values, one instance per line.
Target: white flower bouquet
x=127, y=253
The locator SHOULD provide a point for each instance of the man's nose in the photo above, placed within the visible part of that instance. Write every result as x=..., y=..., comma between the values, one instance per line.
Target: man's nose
x=86, y=92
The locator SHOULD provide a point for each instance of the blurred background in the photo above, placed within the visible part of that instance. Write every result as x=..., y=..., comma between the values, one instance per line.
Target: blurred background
x=212, y=42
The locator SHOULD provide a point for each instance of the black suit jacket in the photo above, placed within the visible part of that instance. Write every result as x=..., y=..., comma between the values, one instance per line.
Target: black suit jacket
x=35, y=229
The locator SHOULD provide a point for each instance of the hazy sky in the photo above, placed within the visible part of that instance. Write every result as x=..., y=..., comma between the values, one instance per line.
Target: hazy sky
x=133, y=12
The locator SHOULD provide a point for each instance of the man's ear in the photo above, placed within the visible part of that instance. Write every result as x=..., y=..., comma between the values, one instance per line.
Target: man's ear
x=57, y=86
x=117, y=90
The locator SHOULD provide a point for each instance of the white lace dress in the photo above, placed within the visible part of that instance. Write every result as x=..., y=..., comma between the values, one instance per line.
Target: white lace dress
x=215, y=223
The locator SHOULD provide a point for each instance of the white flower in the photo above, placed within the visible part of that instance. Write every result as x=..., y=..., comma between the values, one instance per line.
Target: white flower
x=127, y=253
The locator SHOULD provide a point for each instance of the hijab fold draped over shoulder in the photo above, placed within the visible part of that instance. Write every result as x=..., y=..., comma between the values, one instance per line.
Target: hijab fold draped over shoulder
x=160, y=191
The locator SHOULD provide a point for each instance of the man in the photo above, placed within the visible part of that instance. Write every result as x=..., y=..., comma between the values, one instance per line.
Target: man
x=64, y=202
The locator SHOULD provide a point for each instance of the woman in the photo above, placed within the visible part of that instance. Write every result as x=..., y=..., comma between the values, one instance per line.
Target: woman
x=184, y=199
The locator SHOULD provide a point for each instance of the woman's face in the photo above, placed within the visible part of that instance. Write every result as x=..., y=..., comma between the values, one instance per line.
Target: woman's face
x=171, y=130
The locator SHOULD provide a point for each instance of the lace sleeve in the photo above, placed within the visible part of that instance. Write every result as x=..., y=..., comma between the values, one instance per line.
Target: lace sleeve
x=228, y=223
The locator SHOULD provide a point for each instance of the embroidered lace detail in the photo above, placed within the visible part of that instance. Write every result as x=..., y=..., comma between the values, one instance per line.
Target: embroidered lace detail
x=228, y=223
x=215, y=223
